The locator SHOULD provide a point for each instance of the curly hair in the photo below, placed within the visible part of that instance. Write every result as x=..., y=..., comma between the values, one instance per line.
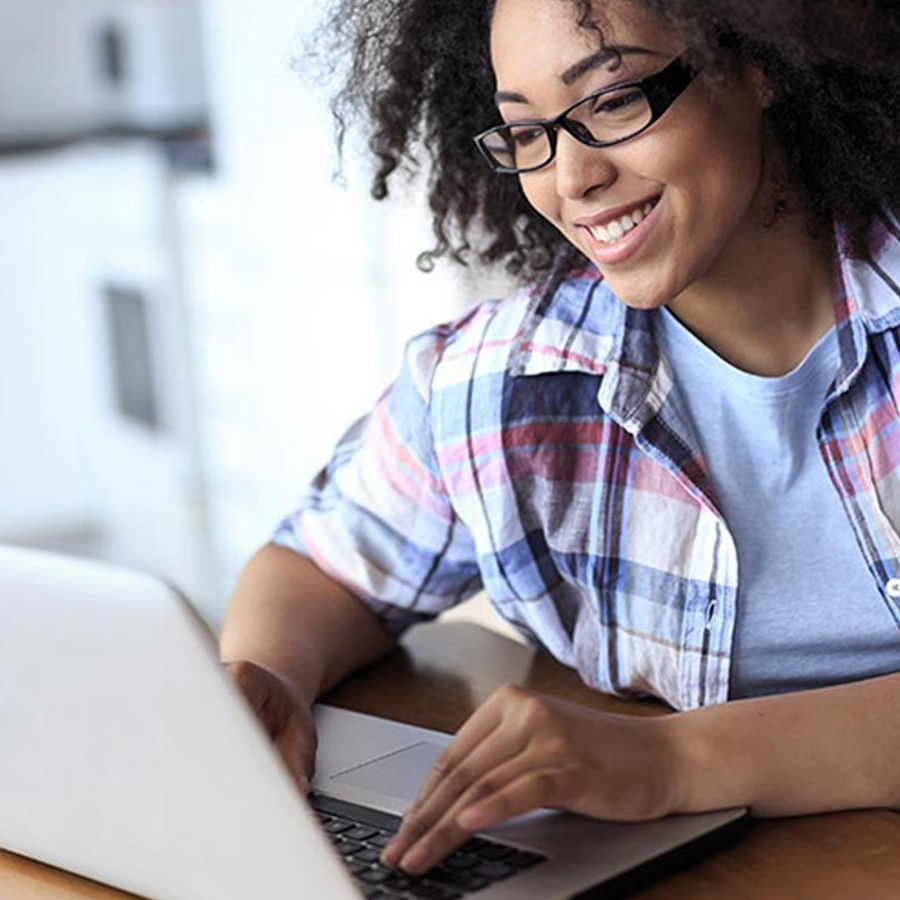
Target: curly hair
x=419, y=76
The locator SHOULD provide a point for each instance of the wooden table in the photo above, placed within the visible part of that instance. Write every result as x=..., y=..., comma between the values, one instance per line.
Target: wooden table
x=444, y=671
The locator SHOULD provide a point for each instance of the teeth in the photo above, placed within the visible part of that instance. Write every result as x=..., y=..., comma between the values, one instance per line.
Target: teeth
x=618, y=228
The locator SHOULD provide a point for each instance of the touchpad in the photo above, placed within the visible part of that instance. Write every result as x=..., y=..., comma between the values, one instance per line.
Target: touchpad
x=399, y=774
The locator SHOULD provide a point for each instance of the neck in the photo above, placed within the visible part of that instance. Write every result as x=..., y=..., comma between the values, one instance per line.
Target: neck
x=767, y=301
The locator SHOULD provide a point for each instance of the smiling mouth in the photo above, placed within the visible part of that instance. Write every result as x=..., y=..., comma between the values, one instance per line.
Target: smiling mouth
x=616, y=229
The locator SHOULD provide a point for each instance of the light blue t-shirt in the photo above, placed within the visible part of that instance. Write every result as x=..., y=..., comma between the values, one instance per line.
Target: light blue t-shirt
x=808, y=614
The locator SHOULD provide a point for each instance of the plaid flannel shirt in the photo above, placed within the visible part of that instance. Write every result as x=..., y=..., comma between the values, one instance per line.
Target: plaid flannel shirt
x=537, y=447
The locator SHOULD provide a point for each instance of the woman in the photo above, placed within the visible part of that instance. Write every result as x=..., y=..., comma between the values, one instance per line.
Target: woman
x=672, y=458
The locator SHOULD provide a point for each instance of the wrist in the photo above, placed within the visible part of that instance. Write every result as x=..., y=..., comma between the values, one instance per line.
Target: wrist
x=676, y=762
x=708, y=772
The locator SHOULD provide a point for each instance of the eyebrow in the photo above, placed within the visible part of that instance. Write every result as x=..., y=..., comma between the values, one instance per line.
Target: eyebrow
x=583, y=66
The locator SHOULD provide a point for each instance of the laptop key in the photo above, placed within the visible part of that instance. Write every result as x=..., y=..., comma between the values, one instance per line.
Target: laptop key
x=462, y=861
x=368, y=855
x=495, y=852
x=400, y=881
x=337, y=826
x=360, y=833
x=380, y=840
x=374, y=875
x=427, y=891
x=349, y=848
x=362, y=814
x=473, y=845
x=494, y=870
x=356, y=867
x=522, y=859
x=462, y=880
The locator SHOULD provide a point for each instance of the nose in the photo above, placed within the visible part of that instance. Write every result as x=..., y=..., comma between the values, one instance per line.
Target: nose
x=581, y=169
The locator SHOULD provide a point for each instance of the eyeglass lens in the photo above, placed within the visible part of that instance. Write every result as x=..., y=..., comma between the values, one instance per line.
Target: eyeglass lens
x=607, y=118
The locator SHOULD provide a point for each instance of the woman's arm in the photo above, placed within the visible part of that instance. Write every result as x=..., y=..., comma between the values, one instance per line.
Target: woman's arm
x=791, y=754
x=287, y=616
x=291, y=633
x=829, y=749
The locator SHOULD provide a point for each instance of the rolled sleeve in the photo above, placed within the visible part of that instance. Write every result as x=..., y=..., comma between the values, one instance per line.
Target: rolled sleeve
x=378, y=518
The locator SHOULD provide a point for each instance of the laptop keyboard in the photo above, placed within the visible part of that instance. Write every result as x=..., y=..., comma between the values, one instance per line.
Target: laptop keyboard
x=360, y=834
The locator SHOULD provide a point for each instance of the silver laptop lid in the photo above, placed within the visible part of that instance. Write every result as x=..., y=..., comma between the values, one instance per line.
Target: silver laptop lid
x=127, y=755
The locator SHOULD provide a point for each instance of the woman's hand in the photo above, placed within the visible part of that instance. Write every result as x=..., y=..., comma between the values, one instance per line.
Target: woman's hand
x=288, y=722
x=520, y=751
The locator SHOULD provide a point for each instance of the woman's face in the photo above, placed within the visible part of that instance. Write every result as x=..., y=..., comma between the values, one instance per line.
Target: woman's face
x=699, y=167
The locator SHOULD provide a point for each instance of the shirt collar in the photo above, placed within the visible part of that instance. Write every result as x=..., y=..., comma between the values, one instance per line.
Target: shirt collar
x=569, y=328
x=867, y=296
x=581, y=326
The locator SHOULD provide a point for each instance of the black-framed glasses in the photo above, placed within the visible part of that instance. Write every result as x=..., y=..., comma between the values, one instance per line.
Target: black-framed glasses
x=608, y=116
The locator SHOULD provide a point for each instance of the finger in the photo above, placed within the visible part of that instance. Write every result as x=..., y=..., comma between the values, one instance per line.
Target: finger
x=481, y=726
x=459, y=776
x=474, y=751
x=477, y=729
x=505, y=781
x=530, y=790
x=432, y=848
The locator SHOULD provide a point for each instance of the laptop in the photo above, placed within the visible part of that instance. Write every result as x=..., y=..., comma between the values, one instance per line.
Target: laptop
x=127, y=756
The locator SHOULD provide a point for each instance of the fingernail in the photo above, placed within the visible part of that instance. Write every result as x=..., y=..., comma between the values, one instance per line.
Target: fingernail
x=389, y=855
x=415, y=861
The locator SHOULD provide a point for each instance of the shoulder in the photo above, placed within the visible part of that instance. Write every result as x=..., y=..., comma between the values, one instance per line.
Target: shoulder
x=571, y=324
x=873, y=285
x=485, y=331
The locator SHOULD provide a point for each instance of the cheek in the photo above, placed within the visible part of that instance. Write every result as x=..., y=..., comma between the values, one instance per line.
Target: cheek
x=539, y=189
x=713, y=175
x=730, y=140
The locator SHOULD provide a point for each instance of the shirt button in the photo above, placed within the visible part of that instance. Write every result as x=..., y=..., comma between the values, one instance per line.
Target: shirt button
x=893, y=588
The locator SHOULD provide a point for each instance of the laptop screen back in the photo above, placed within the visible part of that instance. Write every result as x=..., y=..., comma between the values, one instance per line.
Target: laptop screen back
x=127, y=756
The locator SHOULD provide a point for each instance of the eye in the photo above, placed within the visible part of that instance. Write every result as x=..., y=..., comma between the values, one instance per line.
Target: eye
x=616, y=102
x=524, y=136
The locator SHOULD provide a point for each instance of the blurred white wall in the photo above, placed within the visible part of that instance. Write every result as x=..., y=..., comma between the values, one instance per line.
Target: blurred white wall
x=79, y=226
x=277, y=303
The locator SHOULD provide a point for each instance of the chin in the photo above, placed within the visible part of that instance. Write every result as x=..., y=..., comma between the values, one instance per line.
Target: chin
x=639, y=294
